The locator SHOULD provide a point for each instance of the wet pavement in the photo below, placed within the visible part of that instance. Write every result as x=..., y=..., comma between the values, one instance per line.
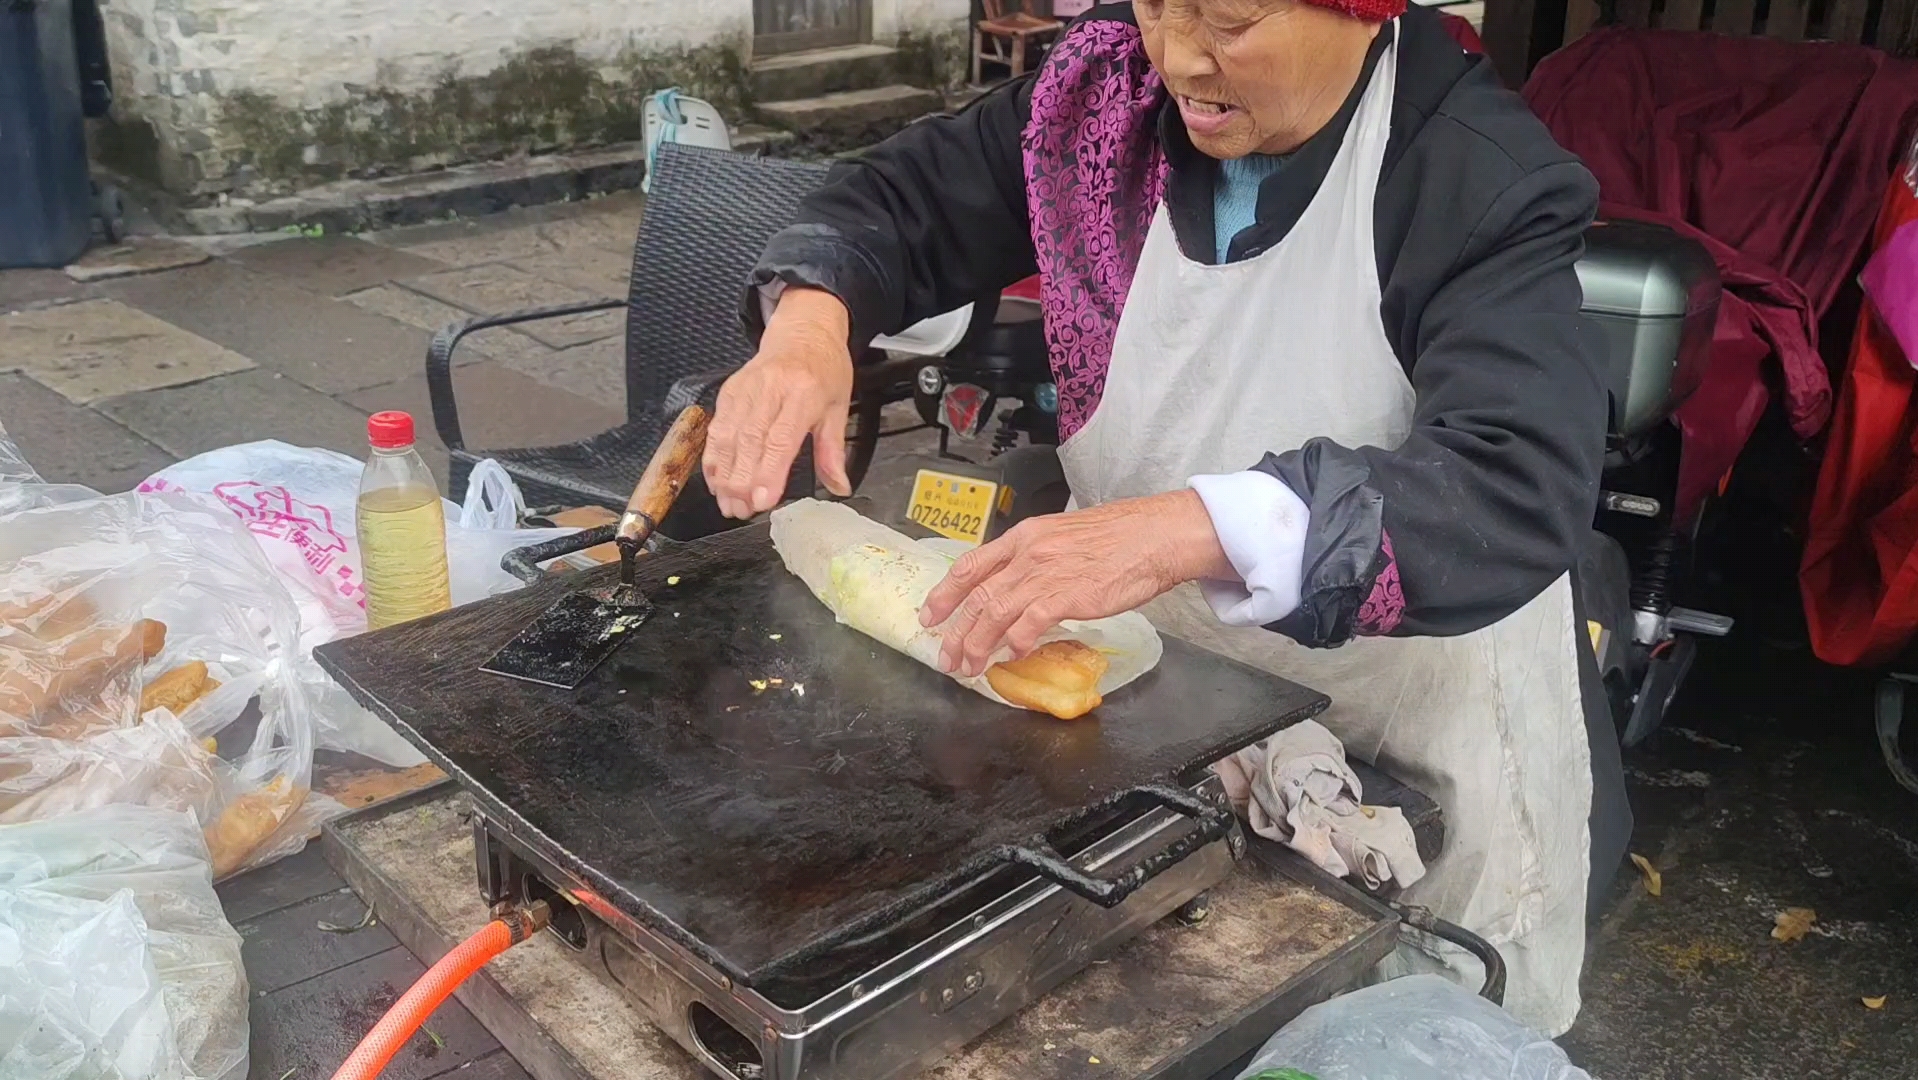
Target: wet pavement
x=299, y=338
x=1767, y=793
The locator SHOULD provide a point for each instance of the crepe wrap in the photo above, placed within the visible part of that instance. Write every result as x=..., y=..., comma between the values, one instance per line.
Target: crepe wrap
x=875, y=579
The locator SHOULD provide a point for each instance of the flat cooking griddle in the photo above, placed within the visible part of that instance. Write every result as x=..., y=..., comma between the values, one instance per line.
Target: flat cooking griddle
x=756, y=780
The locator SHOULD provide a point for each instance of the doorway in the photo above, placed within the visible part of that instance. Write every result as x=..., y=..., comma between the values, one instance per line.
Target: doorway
x=785, y=26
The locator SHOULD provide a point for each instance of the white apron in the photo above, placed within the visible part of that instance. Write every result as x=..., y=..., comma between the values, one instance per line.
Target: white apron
x=1212, y=366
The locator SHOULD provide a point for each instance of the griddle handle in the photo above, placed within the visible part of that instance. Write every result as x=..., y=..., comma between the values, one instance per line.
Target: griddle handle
x=524, y=563
x=1213, y=822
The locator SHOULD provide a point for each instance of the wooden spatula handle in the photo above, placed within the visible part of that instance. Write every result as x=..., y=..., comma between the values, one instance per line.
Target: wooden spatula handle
x=673, y=465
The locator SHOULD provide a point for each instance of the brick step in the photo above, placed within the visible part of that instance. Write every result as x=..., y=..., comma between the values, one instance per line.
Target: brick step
x=818, y=72
x=851, y=118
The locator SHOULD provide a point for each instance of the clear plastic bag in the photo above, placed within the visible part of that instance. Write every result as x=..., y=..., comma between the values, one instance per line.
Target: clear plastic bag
x=115, y=957
x=299, y=503
x=1422, y=1027
x=21, y=487
x=133, y=630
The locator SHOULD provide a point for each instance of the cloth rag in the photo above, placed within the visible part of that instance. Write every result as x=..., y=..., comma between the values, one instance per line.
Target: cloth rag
x=1296, y=788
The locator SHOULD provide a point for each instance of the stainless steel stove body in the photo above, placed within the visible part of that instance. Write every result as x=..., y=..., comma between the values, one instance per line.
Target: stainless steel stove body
x=905, y=997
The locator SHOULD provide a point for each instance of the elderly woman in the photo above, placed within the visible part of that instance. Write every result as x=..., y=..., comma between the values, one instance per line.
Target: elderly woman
x=1323, y=382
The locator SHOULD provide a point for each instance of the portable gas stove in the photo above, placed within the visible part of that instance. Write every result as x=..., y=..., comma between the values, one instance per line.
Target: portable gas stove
x=799, y=853
x=902, y=997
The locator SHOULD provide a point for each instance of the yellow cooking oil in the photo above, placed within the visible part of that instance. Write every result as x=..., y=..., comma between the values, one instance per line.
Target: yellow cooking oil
x=403, y=553
x=402, y=528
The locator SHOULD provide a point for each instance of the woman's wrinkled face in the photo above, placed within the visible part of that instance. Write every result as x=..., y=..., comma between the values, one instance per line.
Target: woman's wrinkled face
x=1253, y=76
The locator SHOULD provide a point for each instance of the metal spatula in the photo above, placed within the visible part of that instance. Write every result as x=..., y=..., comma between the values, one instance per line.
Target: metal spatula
x=568, y=640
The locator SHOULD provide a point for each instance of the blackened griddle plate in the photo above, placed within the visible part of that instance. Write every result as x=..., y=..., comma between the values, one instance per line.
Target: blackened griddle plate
x=756, y=780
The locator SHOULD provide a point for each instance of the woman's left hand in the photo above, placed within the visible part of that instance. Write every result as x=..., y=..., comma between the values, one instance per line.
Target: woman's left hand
x=1084, y=564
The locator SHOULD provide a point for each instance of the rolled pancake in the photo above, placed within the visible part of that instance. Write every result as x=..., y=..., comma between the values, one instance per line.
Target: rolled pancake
x=875, y=579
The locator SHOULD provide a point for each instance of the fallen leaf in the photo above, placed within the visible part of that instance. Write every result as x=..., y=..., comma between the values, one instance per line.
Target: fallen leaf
x=336, y=928
x=775, y=637
x=1092, y=1061
x=1794, y=923
x=1873, y=1003
x=1654, y=882
x=757, y=684
x=674, y=580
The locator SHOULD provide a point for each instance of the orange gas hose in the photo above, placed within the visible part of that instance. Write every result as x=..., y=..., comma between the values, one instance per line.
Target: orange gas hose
x=369, y=1058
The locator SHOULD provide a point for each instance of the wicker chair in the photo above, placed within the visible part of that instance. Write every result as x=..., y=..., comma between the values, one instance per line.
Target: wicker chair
x=709, y=215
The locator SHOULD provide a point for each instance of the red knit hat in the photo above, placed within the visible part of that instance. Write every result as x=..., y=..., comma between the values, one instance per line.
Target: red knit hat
x=1377, y=11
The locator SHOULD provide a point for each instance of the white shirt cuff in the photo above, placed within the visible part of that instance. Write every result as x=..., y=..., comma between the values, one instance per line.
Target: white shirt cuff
x=769, y=295
x=1261, y=524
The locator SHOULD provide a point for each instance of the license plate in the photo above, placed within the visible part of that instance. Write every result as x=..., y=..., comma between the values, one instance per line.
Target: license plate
x=959, y=507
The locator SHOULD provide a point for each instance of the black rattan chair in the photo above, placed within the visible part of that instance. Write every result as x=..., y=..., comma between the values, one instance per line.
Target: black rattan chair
x=707, y=218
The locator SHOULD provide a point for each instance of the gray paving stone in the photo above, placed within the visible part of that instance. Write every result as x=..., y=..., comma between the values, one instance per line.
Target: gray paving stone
x=621, y=213
x=476, y=245
x=138, y=255
x=291, y=945
x=252, y=405
x=500, y=288
x=499, y=407
x=69, y=444
x=21, y=289
x=603, y=270
x=96, y=349
x=405, y=305
x=611, y=229
x=307, y=1030
x=334, y=265
x=615, y=216
x=498, y=1065
x=269, y=888
x=326, y=344
x=596, y=372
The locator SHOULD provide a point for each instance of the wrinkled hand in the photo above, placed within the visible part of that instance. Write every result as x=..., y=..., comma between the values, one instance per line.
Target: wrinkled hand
x=1085, y=564
x=798, y=384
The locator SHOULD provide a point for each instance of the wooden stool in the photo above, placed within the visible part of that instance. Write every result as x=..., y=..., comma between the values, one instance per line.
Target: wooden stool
x=1009, y=33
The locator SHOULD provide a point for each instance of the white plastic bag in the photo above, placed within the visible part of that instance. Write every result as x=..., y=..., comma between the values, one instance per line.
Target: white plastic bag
x=299, y=501
x=1422, y=1027
x=104, y=600
x=115, y=957
x=493, y=501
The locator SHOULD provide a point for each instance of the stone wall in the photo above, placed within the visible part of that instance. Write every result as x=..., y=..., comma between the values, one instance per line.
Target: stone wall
x=260, y=97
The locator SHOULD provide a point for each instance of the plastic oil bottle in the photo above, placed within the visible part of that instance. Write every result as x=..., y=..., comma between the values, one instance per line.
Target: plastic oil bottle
x=402, y=527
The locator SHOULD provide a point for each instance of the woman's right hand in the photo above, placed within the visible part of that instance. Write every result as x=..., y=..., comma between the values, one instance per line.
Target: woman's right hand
x=798, y=384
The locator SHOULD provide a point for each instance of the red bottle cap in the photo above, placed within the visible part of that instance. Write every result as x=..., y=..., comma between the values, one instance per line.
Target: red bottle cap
x=389, y=430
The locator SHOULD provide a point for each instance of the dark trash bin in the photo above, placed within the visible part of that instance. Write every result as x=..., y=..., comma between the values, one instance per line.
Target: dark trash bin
x=90, y=42
x=46, y=195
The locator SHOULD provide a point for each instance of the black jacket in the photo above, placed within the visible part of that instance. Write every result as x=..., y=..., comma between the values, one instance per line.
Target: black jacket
x=1480, y=218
